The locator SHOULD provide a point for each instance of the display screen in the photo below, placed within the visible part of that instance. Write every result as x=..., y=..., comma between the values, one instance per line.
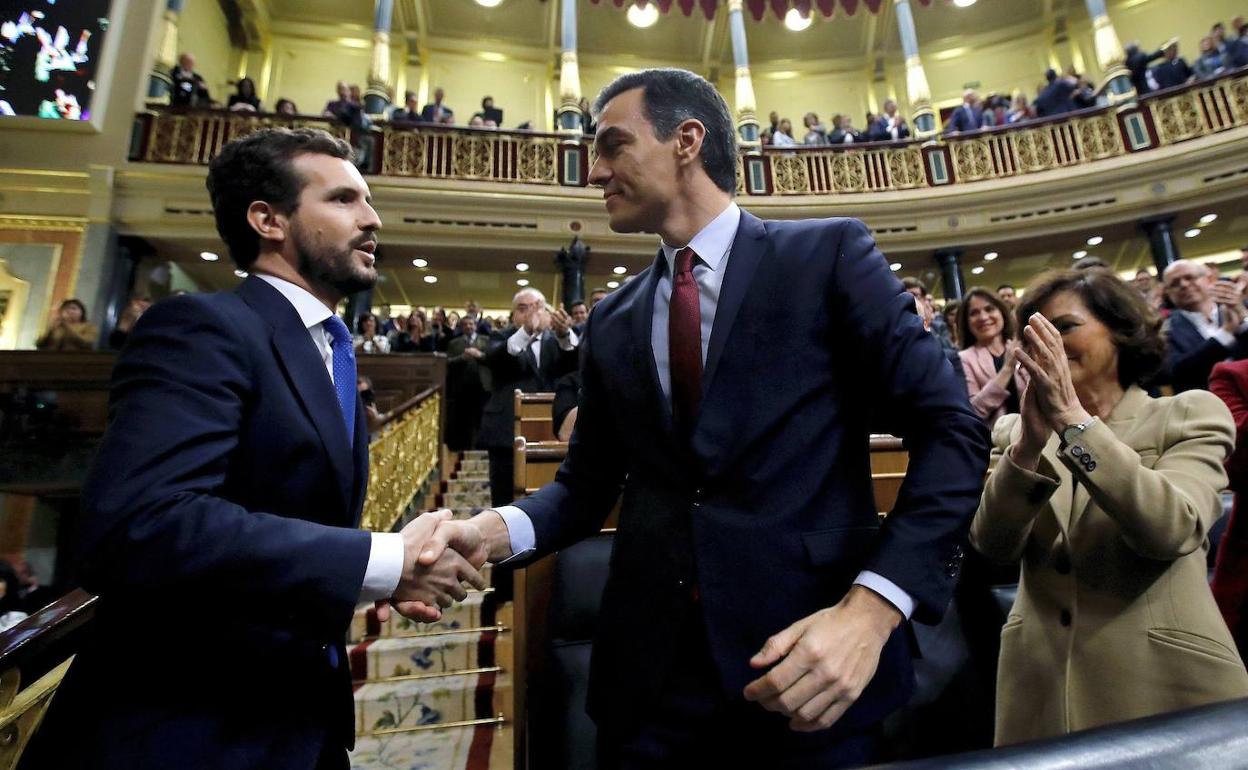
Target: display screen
x=49, y=53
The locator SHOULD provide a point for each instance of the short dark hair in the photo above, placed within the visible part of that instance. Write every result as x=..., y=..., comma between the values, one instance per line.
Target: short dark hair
x=598, y=289
x=258, y=167
x=359, y=322
x=1006, y=286
x=1091, y=263
x=671, y=96
x=910, y=282
x=965, y=336
x=1135, y=328
x=580, y=302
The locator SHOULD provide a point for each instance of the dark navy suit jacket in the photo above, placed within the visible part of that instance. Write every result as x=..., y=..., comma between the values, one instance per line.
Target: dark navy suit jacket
x=1190, y=357
x=219, y=531
x=768, y=509
x=966, y=119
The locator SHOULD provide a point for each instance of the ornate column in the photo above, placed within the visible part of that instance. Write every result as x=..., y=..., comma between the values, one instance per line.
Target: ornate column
x=1116, y=79
x=159, y=82
x=747, y=120
x=572, y=261
x=951, y=272
x=568, y=116
x=1161, y=241
x=924, y=117
x=377, y=95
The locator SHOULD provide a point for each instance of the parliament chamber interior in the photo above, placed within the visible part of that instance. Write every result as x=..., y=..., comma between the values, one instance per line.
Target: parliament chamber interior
x=998, y=153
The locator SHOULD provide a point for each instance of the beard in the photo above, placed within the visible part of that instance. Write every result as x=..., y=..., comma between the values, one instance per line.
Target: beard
x=334, y=267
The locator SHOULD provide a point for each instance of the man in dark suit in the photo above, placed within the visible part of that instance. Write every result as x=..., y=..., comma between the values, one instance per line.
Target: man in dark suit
x=1172, y=71
x=751, y=616
x=967, y=117
x=537, y=349
x=889, y=127
x=224, y=502
x=1055, y=97
x=436, y=111
x=1207, y=325
x=1137, y=65
x=188, y=89
x=467, y=382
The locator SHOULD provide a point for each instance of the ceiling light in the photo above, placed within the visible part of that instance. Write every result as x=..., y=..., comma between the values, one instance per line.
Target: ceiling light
x=489, y=3
x=208, y=256
x=613, y=284
x=1207, y=218
x=991, y=256
x=420, y=263
x=895, y=266
x=795, y=21
x=619, y=270
x=1095, y=240
x=522, y=281
x=241, y=273
x=959, y=3
x=1195, y=231
x=522, y=267
x=431, y=279
x=1080, y=254
x=643, y=17
x=977, y=270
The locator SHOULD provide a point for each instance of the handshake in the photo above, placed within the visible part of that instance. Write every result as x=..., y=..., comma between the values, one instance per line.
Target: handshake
x=440, y=555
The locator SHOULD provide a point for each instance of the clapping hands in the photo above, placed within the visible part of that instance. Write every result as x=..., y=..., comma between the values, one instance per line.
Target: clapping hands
x=440, y=556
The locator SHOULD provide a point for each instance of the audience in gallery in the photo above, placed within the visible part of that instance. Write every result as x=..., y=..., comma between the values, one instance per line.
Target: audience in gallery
x=137, y=305
x=244, y=98
x=409, y=112
x=1145, y=475
x=1208, y=324
x=68, y=329
x=994, y=380
x=436, y=111
x=1007, y=294
x=368, y=337
x=187, y=88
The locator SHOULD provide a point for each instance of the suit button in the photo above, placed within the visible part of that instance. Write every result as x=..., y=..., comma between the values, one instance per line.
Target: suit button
x=1076, y=450
x=1065, y=617
x=1090, y=466
x=1061, y=563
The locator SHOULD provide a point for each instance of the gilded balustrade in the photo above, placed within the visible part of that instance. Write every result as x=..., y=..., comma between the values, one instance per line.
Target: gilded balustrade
x=472, y=156
x=169, y=136
x=402, y=458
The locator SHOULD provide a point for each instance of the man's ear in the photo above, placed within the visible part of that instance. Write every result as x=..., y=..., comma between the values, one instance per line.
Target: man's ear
x=689, y=137
x=268, y=222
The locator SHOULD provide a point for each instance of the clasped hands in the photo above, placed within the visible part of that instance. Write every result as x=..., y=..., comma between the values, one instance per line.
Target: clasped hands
x=1050, y=402
x=440, y=555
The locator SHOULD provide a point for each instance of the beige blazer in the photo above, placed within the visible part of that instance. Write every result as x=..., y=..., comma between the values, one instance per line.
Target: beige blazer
x=1114, y=617
x=987, y=398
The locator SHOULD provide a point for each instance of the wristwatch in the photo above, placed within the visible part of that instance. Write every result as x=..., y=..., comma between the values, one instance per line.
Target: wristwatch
x=1072, y=432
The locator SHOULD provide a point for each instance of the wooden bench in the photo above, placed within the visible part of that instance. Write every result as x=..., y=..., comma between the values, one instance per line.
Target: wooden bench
x=534, y=416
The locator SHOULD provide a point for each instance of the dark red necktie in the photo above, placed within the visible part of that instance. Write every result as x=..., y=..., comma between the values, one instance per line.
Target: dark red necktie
x=684, y=342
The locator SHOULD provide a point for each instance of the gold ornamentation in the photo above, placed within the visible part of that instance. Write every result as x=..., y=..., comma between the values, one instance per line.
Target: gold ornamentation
x=401, y=460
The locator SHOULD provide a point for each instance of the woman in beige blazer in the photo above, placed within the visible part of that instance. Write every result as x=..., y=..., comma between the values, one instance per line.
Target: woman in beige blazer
x=994, y=381
x=1106, y=495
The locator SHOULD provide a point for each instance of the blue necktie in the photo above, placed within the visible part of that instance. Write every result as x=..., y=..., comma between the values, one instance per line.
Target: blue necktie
x=344, y=371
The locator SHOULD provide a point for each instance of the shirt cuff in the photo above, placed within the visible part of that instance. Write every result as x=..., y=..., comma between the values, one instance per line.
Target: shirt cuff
x=385, y=567
x=517, y=342
x=1223, y=336
x=569, y=342
x=519, y=531
x=888, y=589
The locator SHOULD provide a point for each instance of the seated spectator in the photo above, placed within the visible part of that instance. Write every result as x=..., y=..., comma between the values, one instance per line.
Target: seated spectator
x=414, y=338
x=969, y=116
x=1229, y=382
x=994, y=380
x=244, y=97
x=1210, y=62
x=491, y=113
x=344, y=109
x=137, y=306
x=1106, y=495
x=409, y=112
x=783, y=137
x=890, y=126
x=368, y=337
x=286, y=107
x=815, y=133
x=69, y=329
x=1172, y=71
x=1055, y=97
x=188, y=88
x=1207, y=326
x=1020, y=111
x=436, y=111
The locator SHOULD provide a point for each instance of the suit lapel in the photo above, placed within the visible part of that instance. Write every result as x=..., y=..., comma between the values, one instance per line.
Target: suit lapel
x=748, y=250
x=305, y=370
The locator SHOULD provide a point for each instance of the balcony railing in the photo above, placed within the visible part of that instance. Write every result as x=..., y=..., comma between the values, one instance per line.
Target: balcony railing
x=426, y=151
x=403, y=457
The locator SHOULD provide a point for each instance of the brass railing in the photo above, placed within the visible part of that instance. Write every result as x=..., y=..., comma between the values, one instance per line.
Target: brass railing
x=428, y=151
x=403, y=457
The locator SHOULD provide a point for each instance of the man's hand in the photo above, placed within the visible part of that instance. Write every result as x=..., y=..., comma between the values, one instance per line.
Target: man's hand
x=439, y=556
x=472, y=352
x=560, y=322
x=823, y=662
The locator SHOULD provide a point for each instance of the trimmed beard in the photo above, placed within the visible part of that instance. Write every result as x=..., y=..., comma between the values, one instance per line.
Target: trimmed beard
x=333, y=268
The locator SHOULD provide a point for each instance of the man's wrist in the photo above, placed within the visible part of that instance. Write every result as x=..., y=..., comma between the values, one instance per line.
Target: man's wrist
x=884, y=614
x=495, y=533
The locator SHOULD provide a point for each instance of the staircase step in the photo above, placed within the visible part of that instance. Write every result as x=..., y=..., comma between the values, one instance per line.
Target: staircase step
x=485, y=747
x=476, y=611
x=471, y=499
x=385, y=658
x=433, y=700
x=459, y=484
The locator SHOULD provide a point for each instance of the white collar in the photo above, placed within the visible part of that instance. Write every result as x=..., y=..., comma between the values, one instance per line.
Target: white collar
x=310, y=309
x=712, y=242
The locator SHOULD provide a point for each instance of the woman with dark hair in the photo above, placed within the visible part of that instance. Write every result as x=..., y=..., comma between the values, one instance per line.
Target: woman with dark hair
x=1106, y=495
x=413, y=338
x=368, y=338
x=69, y=329
x=286, y=107
x=994, y=380
x=244, y=99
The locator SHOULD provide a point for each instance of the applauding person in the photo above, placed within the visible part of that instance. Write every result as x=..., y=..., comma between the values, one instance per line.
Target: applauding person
x=1106, y=495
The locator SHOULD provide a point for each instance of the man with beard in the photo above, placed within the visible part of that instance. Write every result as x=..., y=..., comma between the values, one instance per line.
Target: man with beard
x=224, y=501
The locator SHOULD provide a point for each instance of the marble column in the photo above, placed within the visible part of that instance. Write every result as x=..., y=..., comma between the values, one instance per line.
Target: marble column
x=747, y=118
x=1161, y=241
x=568, y=116
x=950, y=261
x=159, y=82
x=1115, y=83
x=919, y=92
x=377, y=95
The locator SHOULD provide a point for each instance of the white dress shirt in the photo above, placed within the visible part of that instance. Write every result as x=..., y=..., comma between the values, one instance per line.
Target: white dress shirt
x=517, y=342
x=1211, y=328
x=713, y=245
x=385, y=557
